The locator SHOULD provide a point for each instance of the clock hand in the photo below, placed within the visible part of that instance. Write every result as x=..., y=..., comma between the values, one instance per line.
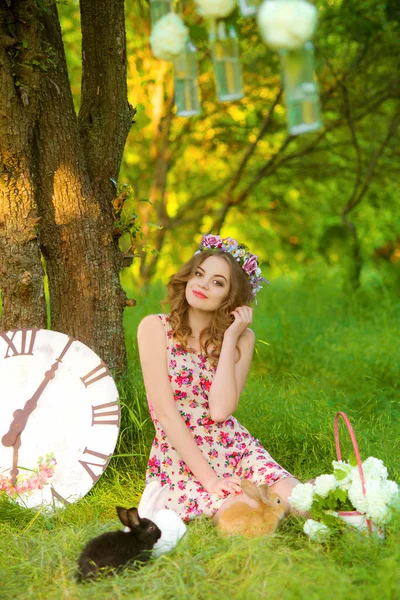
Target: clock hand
x=14, y=471
x=21, y=416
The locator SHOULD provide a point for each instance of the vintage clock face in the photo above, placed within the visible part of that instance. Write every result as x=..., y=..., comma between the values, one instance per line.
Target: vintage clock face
x=59, y=417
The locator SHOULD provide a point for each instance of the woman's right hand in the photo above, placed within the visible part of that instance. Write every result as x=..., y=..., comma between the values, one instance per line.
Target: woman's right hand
x=242, y=318
x=224, y=485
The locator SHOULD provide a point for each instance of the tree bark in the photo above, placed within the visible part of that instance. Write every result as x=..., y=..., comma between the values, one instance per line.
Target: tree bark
x=21, y=272
x=69, y=172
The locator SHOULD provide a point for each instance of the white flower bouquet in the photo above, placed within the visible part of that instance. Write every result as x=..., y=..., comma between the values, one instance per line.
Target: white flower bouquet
x=360, y=494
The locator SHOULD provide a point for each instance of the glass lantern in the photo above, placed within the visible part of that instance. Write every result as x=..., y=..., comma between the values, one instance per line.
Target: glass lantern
x=248, y=8
x=186, y=86
x=301, y=90
x=225, y=54
x=160, y=8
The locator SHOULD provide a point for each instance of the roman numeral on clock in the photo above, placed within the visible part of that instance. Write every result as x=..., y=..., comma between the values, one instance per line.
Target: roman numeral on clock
x=100, y=414
x=56, y=496
x=21, y=345
x=96, y=374
x=85, y=464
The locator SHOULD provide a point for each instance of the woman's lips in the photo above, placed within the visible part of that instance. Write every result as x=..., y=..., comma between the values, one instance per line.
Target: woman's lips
x=199, y=294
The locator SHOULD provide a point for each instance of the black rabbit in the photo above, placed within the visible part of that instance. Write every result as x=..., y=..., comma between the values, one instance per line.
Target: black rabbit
x=114, y=549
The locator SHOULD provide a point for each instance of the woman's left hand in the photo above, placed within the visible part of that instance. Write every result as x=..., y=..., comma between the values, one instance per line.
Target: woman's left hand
x=243, y=317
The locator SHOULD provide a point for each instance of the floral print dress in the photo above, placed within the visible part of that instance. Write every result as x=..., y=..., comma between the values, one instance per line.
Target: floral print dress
x=228, y=446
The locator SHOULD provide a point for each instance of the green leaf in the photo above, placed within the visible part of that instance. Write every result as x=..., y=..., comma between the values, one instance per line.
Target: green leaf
x=353, y=460
x=341, y=495
x=339, y=474
x=329, y=520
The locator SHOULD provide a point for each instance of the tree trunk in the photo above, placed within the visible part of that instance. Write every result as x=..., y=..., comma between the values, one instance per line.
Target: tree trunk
x=21, y=272
x=69, y=174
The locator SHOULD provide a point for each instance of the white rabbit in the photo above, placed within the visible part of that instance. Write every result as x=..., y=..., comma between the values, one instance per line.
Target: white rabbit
x=151, y=506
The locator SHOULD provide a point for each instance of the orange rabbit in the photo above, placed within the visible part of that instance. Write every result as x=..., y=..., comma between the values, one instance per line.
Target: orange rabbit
x=242, y=519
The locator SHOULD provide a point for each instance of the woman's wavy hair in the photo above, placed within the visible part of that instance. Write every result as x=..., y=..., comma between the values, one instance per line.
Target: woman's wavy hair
x=211, y=338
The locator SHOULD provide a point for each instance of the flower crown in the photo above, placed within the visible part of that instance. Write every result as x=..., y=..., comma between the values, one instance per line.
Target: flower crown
x=248, y=261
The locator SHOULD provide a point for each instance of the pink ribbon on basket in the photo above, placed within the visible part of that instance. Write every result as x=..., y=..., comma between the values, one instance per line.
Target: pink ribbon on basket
x=356, y=451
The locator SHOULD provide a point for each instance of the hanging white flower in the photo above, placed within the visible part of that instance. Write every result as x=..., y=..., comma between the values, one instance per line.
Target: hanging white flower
x=215, y=9
x=324, y=484
x=168, y=37
x=302, y=497
x=317, y=532
x=286, y=23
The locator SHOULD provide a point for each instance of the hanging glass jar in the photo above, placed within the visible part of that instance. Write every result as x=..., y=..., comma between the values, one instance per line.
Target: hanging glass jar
x=248, y=8
x=186, y=86
x=301, y=90
x=225, y=54
x=160, y=8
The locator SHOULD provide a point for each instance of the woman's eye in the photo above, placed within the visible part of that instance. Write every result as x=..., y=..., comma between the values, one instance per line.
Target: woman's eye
x=218, y=282
x=197, y=272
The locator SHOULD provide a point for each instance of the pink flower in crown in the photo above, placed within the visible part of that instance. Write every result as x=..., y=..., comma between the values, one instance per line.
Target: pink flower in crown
x=247, y=260
x=211, y=241
x=250, y=265
x=230, y=243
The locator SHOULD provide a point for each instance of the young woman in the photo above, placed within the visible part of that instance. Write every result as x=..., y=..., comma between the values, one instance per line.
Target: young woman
x=195, y=363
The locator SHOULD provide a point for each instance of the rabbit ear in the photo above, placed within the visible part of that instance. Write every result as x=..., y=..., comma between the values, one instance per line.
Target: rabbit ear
x=123, y=515
x=153, y=499
x=128, y=516
x=250, y=489
x=265, y=493
x=160, y=497
x=147, y=502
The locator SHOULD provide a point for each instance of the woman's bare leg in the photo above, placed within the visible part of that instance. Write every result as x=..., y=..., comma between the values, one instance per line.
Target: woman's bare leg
x=284, y=488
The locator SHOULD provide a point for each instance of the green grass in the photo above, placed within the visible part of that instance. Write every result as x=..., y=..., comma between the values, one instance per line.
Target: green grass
x=318, y=351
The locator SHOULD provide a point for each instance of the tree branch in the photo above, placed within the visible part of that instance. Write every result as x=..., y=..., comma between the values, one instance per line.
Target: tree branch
x=251, y=149
x=355, y=199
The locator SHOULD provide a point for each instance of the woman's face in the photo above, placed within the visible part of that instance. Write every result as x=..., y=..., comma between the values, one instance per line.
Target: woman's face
x=210, y=284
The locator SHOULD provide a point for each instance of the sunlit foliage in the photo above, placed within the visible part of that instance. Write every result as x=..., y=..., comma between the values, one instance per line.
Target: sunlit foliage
x=287, y=200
